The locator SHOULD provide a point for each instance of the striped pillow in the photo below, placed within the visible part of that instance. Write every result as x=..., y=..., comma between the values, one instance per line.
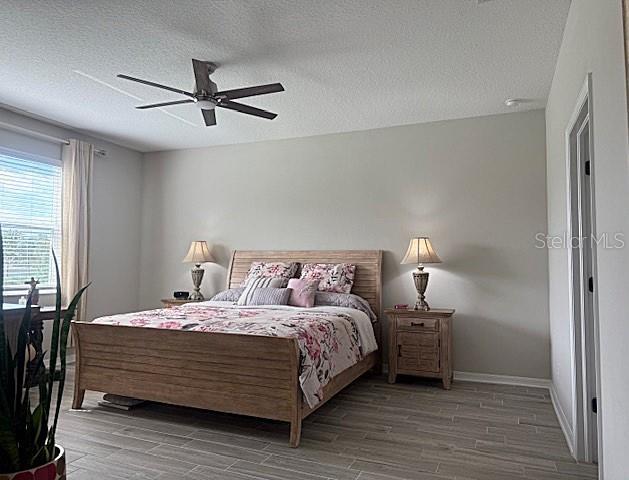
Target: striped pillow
x=255, y=283
x=270, y=296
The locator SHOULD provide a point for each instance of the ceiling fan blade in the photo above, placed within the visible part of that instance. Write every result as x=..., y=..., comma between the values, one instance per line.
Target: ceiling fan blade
x=210, y=117
x=250, y=91
x=153, y=84
x=202, y=72
x=164, y=104
x=239, y=107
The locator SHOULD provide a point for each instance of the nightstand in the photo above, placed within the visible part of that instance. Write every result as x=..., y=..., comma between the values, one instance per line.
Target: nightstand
x=420, y=344
x=173, y=302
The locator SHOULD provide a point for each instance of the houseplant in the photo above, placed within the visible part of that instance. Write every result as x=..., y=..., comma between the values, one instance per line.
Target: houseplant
x=27, y=430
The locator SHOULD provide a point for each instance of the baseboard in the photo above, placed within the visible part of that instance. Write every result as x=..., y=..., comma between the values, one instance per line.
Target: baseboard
x=502, y=379
x=566, y=428
x=490, y=378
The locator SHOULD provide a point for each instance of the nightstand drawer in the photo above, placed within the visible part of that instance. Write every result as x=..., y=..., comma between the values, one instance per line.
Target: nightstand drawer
x=423, y=341
x=412, y=351
x=417, y=365
x=417, y=324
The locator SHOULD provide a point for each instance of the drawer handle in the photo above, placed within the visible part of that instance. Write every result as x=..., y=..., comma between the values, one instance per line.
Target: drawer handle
x=399, y=350
x=416, y=324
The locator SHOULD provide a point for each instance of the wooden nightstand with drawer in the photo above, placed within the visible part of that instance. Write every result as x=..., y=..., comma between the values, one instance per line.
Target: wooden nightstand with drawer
x=175, y=302
x=420, y=344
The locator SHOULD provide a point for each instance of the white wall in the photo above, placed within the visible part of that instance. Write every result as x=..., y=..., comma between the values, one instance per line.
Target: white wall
x=593, y=43
x=476, y=186
x=115, y=227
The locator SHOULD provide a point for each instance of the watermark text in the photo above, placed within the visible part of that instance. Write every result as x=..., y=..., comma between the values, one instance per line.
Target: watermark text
x=604, y=240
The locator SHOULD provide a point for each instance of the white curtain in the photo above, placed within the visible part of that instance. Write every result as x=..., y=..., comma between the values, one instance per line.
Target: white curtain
x=77, y=158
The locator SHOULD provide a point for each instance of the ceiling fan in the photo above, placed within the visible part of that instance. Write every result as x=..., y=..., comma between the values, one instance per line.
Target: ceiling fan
x=207, y=97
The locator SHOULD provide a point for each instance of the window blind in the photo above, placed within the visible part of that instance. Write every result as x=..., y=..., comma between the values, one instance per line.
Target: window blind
x=30, y=216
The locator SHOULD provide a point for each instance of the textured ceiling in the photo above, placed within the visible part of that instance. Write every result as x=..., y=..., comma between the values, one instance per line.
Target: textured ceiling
x=346, y=64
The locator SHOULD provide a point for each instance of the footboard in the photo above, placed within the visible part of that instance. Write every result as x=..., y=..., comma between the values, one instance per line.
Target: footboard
x=243, y=374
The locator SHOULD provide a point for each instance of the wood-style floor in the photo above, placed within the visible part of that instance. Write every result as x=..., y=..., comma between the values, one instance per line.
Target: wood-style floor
x=371, y=431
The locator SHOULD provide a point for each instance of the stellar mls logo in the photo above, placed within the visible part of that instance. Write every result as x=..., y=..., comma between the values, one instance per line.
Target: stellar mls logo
x=606, y=241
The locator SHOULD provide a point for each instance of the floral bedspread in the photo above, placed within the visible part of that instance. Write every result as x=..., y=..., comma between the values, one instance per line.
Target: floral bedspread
x=329, y=342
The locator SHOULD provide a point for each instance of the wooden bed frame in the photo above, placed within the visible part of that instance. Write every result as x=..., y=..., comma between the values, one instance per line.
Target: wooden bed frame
x=233, y=373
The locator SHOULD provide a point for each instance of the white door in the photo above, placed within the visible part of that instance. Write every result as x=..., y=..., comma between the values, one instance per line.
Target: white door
x=584, y=311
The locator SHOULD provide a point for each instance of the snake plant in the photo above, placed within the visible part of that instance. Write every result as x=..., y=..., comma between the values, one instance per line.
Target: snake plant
x=27, y=429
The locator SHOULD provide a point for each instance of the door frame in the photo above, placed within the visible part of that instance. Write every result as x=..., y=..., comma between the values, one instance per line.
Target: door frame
x=585, y=344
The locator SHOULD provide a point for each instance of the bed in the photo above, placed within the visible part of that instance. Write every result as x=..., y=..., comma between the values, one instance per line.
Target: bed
x=244, y=374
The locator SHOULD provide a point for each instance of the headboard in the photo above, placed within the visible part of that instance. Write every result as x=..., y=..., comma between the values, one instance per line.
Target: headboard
x=367, y=280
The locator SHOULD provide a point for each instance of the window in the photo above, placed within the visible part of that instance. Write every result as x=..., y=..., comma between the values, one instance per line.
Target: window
x=30, y=216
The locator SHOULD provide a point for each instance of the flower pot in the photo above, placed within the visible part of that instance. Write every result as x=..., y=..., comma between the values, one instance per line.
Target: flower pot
x=53, y=470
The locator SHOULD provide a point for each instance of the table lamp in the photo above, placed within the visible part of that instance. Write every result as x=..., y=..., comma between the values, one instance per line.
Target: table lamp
x=199, y=253
x=420, y=251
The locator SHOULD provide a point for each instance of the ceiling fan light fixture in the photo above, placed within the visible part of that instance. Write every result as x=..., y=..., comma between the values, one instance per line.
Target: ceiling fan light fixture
x=206, y=104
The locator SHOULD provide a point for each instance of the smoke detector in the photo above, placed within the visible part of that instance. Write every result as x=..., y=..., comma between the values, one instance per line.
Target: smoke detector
x=514, y=102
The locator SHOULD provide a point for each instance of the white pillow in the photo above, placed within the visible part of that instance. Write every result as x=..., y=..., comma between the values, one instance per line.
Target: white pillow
x=258, y=282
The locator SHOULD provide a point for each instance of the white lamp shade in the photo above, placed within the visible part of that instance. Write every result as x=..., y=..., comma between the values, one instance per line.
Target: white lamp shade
x=198, y=253
x=420, y=251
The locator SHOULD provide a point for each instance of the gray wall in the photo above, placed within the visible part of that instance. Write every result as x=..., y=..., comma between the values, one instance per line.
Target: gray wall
x=593, y=43
x=115, y=232
x=475, y=186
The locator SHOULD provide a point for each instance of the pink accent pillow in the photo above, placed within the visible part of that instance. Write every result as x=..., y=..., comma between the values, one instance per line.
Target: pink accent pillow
x=303, y=292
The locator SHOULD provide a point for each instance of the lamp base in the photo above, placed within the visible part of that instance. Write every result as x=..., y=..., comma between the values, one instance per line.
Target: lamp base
x=196, y=296
x=420, y=279
x=421, y=306
x=197, y=277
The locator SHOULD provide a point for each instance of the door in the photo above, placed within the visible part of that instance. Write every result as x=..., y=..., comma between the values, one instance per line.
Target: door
x=584, y=312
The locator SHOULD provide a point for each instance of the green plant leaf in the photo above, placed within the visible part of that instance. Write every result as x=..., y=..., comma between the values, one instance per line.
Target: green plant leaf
x=36, y=434
x=63, y=345
x=42, y=455
x=23, y=426
x=9, y=451
x=8, y=397
x=20, y=356
x=54, y=346
x=27, y=444
x=38, y=415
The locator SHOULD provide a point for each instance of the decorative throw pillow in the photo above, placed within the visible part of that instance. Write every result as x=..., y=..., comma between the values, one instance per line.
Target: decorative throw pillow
x=303, y=292
x=255, y=283
x=337, y=278
x=272, y=269
x=270, y=296
x=230, y=295
x=345, y=300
